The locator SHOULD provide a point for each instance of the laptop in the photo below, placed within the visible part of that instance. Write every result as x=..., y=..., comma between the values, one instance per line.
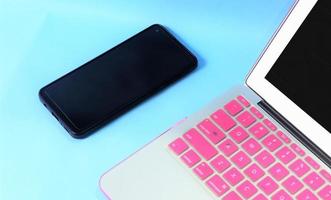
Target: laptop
x=267, y=139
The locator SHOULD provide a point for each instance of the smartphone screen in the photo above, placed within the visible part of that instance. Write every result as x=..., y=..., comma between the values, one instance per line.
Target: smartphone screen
x=113, y=82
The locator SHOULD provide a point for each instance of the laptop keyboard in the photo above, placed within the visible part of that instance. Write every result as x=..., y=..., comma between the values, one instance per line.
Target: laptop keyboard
x=238, y=153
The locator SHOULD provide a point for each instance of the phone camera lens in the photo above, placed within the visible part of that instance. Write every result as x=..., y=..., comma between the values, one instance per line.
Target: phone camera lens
x=157, y=30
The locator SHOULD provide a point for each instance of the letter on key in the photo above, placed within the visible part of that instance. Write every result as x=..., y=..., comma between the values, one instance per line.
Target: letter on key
x=217, y=185
x=233, y=107
x=199, y=143
x=223, y=120
x=178, y=146
x=213, y=133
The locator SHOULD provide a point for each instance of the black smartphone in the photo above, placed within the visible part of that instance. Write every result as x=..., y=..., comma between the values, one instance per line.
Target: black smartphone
x=100, y=90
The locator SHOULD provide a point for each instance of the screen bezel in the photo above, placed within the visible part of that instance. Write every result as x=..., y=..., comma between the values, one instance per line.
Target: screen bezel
x=257, y=81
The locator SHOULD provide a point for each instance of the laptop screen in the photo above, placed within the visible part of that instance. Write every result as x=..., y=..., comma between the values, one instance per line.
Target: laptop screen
x=303, y=71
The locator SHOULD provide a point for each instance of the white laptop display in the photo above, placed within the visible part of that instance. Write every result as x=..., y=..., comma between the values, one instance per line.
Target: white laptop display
x=267, y=139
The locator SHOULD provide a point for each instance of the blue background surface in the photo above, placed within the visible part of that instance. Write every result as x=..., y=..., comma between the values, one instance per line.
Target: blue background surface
x=42, y=40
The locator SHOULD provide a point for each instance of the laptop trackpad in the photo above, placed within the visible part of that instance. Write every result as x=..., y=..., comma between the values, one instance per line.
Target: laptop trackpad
x=139, y=178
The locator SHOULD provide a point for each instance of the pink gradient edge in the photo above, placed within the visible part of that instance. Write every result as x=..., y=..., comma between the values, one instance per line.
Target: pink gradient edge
x=125, y=159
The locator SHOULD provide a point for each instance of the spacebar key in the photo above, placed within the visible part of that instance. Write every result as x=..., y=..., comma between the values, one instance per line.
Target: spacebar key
x=199, y=143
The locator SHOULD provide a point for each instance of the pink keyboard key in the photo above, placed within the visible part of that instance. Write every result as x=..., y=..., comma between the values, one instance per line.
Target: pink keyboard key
x=259, y=130
x=214, y=134
x=265, y=159
x=232, y=196
x=246, y=189
x=314, y=181
x=260, y=197
x=203, y=171
x=306, y=195
x=254, y=172
x=281, y=195
x=199, y=143
x=312, y=162
x=269, y=124
x=220, y=163
x=325, y=193
x=223, y=120
x=241, y=159
x=217, y=185
x=233, y=176
x=251, y=146
x=243, y=101
x=233, y=107
x=246, y=119
x=297, y=149
x=238, y=134
x=267, y=185
x=285, y=155
x=272, y=142
x=278, y=171
x=178, y=146
x=326, y=175
x=190, y=158
x=292, y=184
x=299, y=168
x=228, y=147
x=283, y=137
x=256, y=112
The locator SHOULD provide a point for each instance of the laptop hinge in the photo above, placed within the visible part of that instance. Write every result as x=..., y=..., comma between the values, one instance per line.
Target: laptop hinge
x=296, y=133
